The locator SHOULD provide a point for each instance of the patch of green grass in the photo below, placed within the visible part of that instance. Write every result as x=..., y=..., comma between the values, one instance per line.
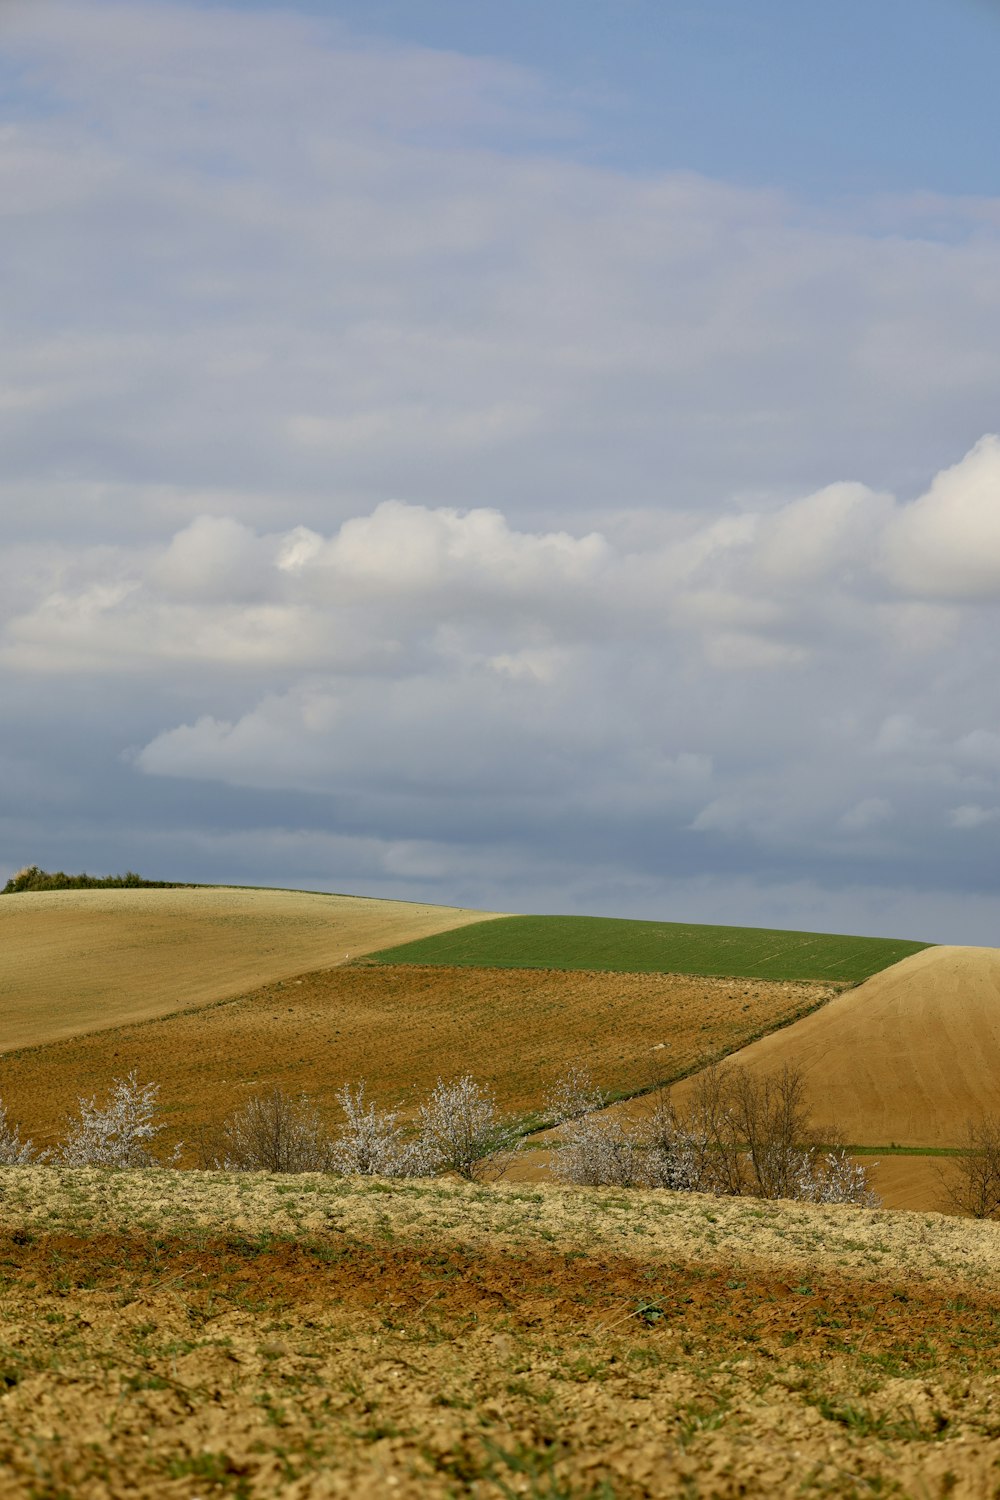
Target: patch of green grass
x=894, y=1150
x=614, y=945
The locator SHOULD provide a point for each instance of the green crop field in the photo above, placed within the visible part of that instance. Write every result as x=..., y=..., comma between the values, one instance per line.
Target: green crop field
x=615, y=945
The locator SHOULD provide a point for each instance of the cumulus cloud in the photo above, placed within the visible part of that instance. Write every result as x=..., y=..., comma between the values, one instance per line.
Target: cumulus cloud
x=421, y=653
x=946, y=544
x=772, y=589
x=215, y=558
x=807, y=540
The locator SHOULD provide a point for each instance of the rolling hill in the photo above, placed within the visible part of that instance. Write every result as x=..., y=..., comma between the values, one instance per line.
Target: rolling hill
x=215, y=991
x=907, y=1057
x=79, y=961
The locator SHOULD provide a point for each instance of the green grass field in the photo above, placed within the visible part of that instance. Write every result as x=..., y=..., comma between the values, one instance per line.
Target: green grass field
x=615, y=945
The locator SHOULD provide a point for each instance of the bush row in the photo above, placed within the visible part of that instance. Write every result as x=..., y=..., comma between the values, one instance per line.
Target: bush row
x=739, y=1135
x=31, y=878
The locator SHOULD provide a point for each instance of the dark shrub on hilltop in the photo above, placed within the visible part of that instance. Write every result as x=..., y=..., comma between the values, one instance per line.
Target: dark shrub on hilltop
x=31, y=878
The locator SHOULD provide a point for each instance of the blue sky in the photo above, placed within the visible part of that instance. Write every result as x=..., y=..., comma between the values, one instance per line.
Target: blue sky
x=819, y=98
x=538, y=457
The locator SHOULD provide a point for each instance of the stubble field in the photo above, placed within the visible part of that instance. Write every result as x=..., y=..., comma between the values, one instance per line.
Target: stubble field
x=909, y=1056
x=185, y=1335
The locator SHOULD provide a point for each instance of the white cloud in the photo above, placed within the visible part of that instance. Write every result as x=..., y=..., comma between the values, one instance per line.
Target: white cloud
x=807, y=539
x=405, y=583
x=215, y=558
x=947, y=543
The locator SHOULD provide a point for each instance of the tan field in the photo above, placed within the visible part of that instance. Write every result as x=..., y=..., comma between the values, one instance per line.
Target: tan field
x=400, y=1028
x=78, y=961
x=907, y=1057
x=169, y=1336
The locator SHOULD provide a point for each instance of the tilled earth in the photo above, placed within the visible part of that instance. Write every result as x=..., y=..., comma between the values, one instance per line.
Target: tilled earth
x=400, y=1028
x=427, y=1340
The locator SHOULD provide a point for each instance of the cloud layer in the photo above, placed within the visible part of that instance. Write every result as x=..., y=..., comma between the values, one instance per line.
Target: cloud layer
x=757, y=690
x=393, y=498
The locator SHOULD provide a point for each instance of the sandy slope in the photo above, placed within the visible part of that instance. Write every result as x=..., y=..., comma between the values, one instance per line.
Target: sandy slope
x=908, y=1056
x=79, y=961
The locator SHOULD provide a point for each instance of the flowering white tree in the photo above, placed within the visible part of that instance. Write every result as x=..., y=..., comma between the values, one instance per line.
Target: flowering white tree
x=598, y=1153
x=594, y=1151
x=679, y=1157
x=834, y=1178
x=372, y=1143
x=13, y=1151
x=119, y=1135
x=461, y=1126
x=573, y=1095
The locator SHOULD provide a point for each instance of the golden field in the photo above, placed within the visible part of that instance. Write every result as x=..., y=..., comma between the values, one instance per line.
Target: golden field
x=75, y=961
x=217, y=993
x=908, y=1056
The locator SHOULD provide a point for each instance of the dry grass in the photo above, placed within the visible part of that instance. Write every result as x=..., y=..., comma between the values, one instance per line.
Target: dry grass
x=196, y=1335
x=401, y=1029
x=77, y=961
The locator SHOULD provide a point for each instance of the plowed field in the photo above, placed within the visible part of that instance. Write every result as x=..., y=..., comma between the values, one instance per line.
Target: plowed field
x=400, y=1029
x=175, y=1336
x=76, y=961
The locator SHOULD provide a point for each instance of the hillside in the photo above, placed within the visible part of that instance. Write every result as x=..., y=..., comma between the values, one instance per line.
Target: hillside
x=215, y=992
x=614, y=944
x=906, y=1057
x=175, y=1335
x=401, y=1028
x=78, y=961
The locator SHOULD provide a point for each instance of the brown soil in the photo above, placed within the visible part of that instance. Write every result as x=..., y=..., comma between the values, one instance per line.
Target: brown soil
x=401, y=1028
x=311, y=1338
x=907, y=1057
x=78, y=961
x=914, y=1182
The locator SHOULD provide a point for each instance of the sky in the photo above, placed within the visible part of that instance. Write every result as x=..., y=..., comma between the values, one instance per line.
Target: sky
x=534, y=457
